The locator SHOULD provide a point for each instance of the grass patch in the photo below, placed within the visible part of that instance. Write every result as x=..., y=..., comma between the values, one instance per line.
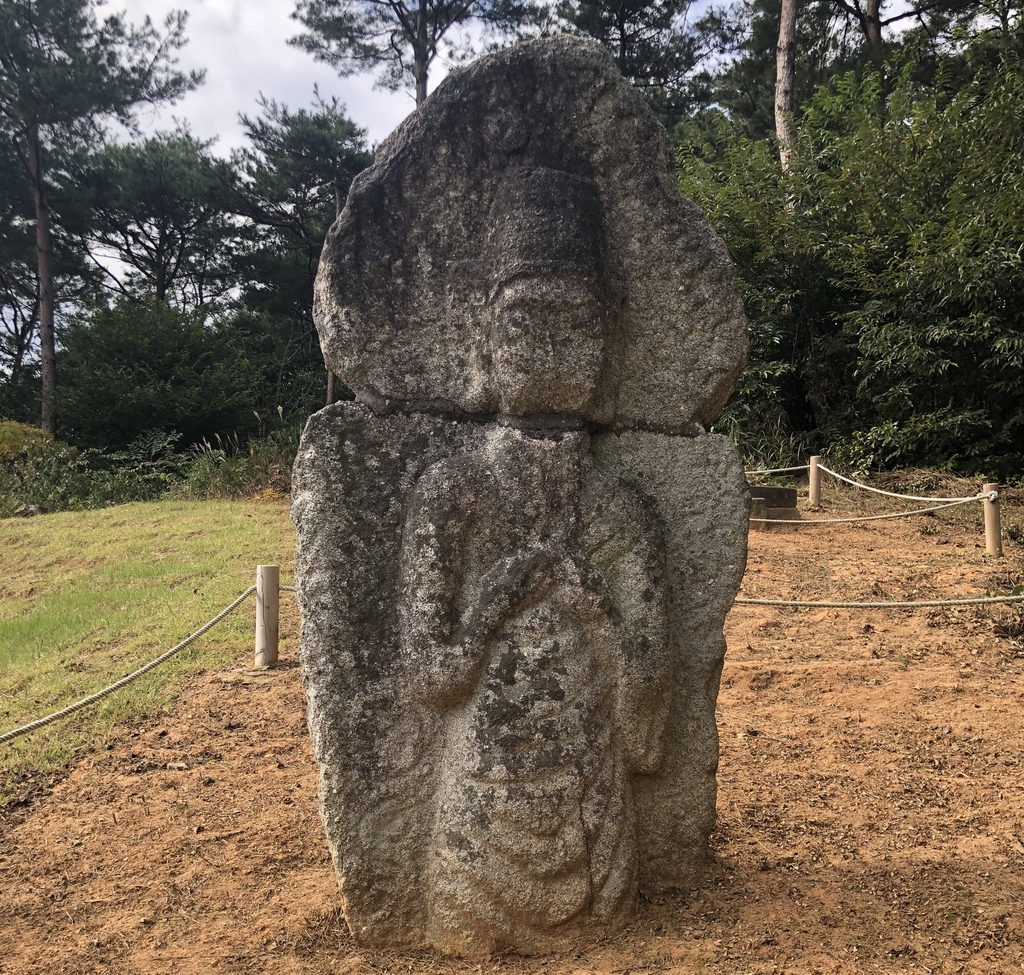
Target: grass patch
x=86, y=597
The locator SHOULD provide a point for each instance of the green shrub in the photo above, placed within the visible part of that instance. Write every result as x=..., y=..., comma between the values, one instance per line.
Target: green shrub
x=881, y=275
x=131, y=369
x=16, y=437
x=231, y=470
x=55, y=476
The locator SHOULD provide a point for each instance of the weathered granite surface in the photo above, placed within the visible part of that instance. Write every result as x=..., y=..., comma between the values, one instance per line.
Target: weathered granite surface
x=404, y=300
x=517, y=550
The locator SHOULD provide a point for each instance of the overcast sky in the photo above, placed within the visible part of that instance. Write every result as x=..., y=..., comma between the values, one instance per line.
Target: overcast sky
x=242, y=45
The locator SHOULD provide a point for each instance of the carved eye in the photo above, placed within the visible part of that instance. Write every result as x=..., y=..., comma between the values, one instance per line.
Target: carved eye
x=515, y=320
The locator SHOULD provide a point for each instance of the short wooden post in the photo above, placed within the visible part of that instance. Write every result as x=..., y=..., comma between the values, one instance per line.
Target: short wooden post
x=268, y=579
x=814, y=483
x=993, y=530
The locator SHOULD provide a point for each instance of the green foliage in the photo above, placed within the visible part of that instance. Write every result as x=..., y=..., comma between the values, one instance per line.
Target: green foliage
x=286, y=367
x=293, y=183
x=162, y=207
x=231, y=470
x=399, y=38
x=743, y=37
x=17, y=437
x=19, y=278
x=62, y=68
x=797, y=378
x=927, y=200
x=651, y=43
x=127, y=370
x=880, y=275
x=62, y=74
x=55, y=476
x=18, y=286
x=300, y=165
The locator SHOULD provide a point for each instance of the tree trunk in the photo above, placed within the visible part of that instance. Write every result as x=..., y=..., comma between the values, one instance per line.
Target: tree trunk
x=44, y=252
x=421, y=62
x=330, y=386
x=785, y=69
x=873, y=24
x=161, y=279
x=421, y=80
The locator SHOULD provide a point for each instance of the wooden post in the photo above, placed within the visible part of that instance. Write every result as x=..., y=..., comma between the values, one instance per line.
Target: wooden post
x=268, y=579
x=814, y=484
x=993, y=531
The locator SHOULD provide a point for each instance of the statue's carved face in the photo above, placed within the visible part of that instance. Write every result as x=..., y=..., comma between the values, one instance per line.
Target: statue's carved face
x=547, y=342
x=548, y=310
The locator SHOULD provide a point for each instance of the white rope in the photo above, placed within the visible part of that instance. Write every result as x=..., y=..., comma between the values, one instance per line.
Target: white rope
x=780, y=470
x=92, y=698
x=990, y=496
x=286, y=588
x=836, y=521
x=899, y=605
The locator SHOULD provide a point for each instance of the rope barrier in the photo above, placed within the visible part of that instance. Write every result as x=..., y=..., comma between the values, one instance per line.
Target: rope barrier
x=990, y=496
x=780, y=470
x=92, y=698
x=897, y=605
x=836, y=521
x=99, y=695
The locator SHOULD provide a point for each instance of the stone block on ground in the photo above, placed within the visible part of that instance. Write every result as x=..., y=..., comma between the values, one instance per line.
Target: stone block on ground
x=774, y=497
x=763, y=518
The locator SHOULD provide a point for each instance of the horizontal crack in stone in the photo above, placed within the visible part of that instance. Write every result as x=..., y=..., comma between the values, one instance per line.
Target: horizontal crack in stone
x=536, y=424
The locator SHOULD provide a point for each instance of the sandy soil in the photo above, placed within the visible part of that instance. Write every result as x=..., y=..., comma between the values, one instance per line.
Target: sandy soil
x=871, y=807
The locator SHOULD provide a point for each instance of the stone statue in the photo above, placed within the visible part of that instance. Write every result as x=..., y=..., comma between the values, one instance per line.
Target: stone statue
x=512, y=570
x=542, y=637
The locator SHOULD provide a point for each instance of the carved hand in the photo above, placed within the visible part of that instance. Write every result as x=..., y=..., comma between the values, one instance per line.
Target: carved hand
x=528, y=575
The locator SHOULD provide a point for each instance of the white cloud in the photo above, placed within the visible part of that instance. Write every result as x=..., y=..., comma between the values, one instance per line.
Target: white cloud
x=242, y=45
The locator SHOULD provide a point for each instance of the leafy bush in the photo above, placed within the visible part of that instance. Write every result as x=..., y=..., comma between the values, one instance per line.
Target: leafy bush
x=231, y=470
x=882, y=275
x=797, y=380
x=56, y=476
x=934, y=184
x=17, y=437
x=131, y=369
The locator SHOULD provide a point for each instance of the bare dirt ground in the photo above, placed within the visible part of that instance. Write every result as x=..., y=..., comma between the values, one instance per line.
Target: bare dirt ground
x=871, y=807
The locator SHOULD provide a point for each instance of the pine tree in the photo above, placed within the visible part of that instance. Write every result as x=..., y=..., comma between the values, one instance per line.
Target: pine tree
x=62, y=74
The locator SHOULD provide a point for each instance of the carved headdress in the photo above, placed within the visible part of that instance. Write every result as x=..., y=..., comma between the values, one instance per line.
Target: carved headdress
x=402, y=289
